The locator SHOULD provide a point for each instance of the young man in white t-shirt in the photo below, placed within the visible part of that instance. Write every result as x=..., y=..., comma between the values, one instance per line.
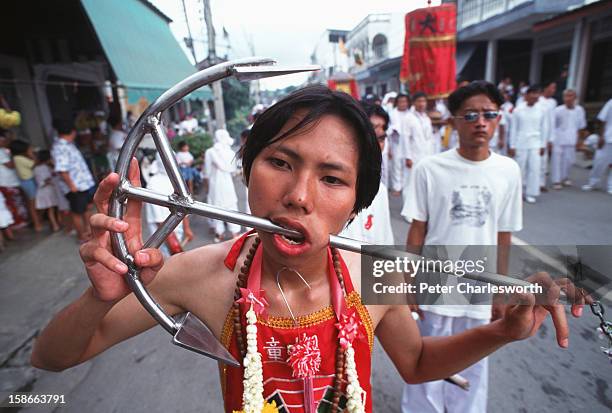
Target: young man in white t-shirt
x=469, y=196
x=601, y=165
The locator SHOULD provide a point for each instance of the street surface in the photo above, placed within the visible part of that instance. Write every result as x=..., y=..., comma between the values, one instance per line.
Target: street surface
x=42, y=273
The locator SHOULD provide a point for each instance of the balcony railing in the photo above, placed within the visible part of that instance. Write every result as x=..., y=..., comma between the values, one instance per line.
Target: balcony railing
x=474, y=11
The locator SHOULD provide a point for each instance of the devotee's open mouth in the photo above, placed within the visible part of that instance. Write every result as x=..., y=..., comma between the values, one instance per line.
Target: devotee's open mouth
x=289, y=244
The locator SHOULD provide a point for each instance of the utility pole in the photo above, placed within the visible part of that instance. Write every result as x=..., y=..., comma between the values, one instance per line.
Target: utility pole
x=189, y=39
x=212, y=59
x=256, y=87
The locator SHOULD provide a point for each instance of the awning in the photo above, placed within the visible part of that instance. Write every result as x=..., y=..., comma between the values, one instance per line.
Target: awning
x=140, y=47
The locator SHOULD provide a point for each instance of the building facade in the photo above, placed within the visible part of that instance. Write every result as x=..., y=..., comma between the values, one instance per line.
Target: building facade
x=538, y=41
x=375, y=48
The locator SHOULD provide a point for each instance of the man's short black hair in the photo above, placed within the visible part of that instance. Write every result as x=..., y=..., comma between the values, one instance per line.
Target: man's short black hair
x=399, y=96
x=64, y=126
x=377, y=110
x=477, y=87
x=319, y=101
x=419, y=95
x=534, y=89
x=181, y=144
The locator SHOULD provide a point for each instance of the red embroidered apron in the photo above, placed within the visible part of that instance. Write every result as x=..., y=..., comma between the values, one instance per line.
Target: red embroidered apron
x=275, y=333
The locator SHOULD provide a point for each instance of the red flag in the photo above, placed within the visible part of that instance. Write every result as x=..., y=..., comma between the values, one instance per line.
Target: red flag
x=428, y=64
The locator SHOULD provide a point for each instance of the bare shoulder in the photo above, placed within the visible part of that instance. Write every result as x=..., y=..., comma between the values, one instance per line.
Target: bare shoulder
x=202, y=283
x=353, y=263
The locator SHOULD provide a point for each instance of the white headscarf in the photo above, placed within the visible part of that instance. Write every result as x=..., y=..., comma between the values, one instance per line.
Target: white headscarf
x=388, y=95
x=221, y=154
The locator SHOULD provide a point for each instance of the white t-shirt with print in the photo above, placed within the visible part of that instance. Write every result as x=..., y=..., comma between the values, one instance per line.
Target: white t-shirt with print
x=465, y=203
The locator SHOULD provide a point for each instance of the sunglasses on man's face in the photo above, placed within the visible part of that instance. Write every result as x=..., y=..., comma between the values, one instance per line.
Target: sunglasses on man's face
x=473, y=116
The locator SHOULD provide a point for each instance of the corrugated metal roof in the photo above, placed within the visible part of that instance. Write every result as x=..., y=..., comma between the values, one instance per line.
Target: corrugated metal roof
x=140, y=47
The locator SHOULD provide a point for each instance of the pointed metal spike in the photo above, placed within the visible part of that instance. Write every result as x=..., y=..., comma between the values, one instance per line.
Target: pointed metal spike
x=245, y=73
x=194, y=335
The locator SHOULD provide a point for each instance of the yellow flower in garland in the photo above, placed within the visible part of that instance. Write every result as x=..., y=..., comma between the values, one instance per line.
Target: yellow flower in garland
x=268, y=408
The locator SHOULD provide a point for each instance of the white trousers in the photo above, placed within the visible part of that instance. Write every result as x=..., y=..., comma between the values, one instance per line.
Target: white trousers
x=601, y=167
x=529, y=161
x=543, y=168
x=395, y=168
x=562, y=159
x=440, y=396
x=406, y=172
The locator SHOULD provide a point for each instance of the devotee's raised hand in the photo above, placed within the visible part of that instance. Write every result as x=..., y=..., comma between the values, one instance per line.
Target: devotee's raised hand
x=523, y=318
x=105, y=271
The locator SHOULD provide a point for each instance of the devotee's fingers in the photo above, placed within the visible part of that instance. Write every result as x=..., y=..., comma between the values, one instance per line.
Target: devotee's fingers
x=101, y=224
x=103, y=193
x=92, y=254
x=560, y=321
x=150, y=260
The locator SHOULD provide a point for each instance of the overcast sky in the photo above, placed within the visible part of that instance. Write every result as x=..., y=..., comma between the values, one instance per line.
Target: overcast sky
x=286, y=30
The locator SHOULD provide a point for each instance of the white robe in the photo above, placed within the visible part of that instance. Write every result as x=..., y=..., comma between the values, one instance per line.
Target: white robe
x=221, y=191
x=373, y=224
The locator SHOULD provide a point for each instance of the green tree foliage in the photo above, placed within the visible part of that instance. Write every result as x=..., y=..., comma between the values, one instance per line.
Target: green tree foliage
x=237, y=104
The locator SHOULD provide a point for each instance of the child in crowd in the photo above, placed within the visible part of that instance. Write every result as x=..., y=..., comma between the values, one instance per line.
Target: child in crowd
x=24, y=166
x=46, y=196
x=185, y=161
x=6, y=219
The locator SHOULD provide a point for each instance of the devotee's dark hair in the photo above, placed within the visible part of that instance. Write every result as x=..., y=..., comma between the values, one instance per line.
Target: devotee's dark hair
x=419, y=95
x=477, y=87
x=399, y=96
x=534, y=88
x=377, y=110
x=181, y=144
x=319, y=101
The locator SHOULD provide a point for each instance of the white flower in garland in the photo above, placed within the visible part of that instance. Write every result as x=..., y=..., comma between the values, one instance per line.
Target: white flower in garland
x=252, y=397
x=348, y=331
x=252, y=394
x=355, y=394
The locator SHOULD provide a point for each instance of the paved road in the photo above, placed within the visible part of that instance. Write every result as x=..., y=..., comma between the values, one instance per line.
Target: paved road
x=41, y=274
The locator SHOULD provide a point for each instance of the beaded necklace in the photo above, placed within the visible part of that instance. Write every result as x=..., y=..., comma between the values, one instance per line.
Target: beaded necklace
x=354, y=404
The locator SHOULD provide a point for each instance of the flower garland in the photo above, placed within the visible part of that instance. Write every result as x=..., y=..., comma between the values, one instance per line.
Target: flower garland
x=304, y=357
x=348, y=331
x=252, y=395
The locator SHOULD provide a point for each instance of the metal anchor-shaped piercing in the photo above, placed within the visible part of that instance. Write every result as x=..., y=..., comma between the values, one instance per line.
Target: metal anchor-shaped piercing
x=187, y=330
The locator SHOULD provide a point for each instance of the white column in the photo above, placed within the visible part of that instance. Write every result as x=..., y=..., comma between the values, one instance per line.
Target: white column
x=491, y=65
x=575, y=54
x=579, y=58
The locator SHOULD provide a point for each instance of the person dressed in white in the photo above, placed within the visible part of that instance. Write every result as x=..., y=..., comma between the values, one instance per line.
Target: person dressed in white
x=115, y=142
x=548, y=104
x=158, y=181
x=221, y=190
x=418, y=142
x=373, y=224
x=388, y=101
x=396, y=134
x=569, y=120
x=527, y=141
x=601, y=163
x=188, y=125
x=469, y=196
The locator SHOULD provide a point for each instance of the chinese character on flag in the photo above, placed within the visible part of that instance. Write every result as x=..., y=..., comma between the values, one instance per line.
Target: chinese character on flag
x=428, y=64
